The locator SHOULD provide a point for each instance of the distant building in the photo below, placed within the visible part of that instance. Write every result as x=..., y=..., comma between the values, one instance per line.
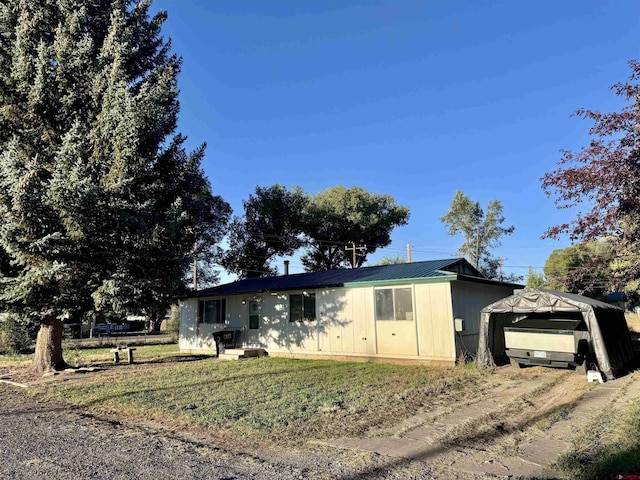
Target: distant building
x=619, y=299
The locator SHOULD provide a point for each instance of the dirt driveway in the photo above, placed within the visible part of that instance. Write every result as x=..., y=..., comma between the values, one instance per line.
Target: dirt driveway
x=515, y=425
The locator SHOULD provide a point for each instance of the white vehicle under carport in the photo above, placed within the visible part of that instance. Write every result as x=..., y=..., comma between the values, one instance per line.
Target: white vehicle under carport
x=607, y=334
x=549, y=340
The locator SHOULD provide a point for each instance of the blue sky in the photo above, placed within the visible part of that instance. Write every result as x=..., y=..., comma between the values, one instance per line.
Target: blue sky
x=415, y=99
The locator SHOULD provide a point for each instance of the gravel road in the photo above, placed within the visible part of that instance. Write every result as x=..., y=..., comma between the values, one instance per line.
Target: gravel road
x=47, y=441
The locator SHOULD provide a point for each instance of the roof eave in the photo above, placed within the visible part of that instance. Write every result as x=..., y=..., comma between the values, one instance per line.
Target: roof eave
x=205, y=293
x=471, y=278
x=403, y=281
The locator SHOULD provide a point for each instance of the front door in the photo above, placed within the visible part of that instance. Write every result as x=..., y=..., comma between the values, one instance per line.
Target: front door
x=254, y=324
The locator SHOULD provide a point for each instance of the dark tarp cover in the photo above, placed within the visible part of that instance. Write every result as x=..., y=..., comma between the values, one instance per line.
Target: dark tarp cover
x=610, y=338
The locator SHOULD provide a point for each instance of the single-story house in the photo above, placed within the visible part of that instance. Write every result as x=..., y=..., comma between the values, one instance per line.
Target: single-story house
x=421, y=312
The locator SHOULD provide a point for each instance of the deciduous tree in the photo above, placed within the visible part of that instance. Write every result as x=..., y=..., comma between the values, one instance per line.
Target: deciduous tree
x=101, y=207
x=481, y=232
x=339, y=217
x=603, y=178
x=390, y=260
x=582, y=269
x=270, y=227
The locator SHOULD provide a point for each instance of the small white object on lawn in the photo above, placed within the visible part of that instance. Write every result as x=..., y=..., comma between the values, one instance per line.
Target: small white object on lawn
x=593, y=375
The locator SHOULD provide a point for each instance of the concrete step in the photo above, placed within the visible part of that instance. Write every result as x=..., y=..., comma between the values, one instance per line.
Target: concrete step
x=227, y=356
x=238, y=353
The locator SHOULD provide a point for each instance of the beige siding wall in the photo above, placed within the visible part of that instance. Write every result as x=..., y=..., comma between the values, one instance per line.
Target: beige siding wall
x=194, y=335
x=362, y=311
x=275, y=332
x=188, y=323
x=469, y=299
x=346, y=324
x=345, y=321
x=397, y=337
x=274, y=319
x=435, y=321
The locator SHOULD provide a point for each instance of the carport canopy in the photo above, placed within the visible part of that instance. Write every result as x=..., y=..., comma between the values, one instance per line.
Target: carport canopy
x=607, y=326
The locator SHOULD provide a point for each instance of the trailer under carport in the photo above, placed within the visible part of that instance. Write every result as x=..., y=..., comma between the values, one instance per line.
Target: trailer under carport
x=608, y=334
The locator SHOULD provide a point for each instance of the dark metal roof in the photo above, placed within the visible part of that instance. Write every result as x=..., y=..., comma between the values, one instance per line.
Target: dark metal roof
x=616, y=297
x=340, y=277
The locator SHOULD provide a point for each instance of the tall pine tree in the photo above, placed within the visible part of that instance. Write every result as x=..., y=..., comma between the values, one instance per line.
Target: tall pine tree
x=100, y=205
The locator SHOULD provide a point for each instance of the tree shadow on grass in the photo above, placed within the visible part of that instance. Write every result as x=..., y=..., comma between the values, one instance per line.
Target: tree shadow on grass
x=622, y=462
x=205, y=383
x=602, y=461
x=173, y=388
x=153, y=361
x=174, y=359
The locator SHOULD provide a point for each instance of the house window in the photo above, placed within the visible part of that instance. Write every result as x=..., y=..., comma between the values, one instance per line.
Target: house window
x=254, y=315
x=394, y=304
x=302, y=306
x=212, y=311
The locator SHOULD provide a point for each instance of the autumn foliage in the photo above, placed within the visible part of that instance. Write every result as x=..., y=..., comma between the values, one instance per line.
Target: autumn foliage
x=603, y=180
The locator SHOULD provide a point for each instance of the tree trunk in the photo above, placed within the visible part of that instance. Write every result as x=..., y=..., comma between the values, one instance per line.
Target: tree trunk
x=48, y=355
x=155, y=324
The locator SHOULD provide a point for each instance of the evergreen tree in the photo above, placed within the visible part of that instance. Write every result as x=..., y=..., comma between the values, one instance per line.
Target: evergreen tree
x=101, y=207
x=535, y=279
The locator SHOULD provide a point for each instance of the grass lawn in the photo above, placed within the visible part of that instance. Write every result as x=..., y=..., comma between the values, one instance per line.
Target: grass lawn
x=77, y=357
x=609, y=446
x=283, y=400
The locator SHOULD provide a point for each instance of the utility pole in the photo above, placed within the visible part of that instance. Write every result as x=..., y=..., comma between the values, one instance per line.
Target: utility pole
x=408, y=253
x=500, y=260
x=354, y=250
x=478, y=232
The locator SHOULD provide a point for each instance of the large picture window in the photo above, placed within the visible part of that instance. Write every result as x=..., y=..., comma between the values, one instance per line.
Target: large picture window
x=302, y=306
x=394, y=304
x=212, y=311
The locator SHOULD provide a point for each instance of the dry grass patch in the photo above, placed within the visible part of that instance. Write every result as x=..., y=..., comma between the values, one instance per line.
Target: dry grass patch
x=14, y=367
x=633, y=321
x=608, y=446
x=11, y=362
x=284, y=400
x=87, y=356
x=548, y=403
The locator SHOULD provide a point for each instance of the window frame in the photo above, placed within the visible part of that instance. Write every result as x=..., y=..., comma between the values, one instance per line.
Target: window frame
x=221, y=311
x=307, y=307
x=394, y=304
